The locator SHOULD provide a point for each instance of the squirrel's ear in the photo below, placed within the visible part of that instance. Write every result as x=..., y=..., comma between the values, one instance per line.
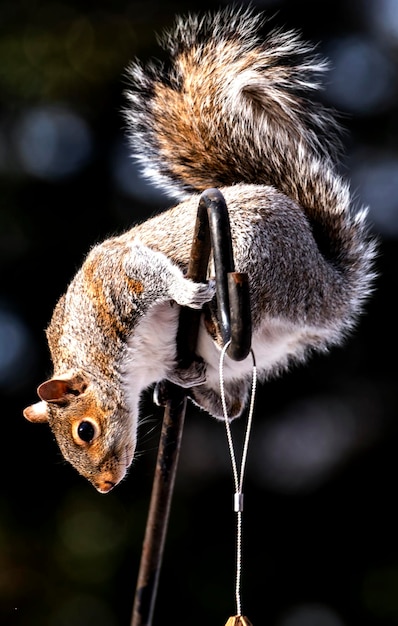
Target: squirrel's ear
x=36, y=413
x=60, y=390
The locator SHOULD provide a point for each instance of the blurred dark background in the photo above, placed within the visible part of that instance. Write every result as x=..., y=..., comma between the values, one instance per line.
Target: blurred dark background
x=320, y=545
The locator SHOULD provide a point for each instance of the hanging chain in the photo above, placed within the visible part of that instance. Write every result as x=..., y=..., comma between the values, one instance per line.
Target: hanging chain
x=238, y=479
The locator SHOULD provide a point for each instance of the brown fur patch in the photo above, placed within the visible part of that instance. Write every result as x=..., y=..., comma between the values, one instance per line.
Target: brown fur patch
x=103, y=300
x=135, y=286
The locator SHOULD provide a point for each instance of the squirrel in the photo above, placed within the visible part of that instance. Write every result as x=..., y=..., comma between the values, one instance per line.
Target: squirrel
x=230, y=109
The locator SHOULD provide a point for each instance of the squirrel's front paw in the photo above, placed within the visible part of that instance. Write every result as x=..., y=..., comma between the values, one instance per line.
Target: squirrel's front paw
x=194, y=295
x=191, y=376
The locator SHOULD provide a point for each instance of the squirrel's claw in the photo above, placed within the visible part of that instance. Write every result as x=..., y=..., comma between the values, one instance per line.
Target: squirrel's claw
x=160, y=393
x=195, y=295
x=191, y=376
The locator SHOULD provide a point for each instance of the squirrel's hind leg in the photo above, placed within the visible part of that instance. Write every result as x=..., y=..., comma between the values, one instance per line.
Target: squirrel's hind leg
x=191, y=376
x=236, y=395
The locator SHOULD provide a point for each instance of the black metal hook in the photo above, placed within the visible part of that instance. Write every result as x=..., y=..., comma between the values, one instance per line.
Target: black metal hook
x=212, y=232
x=233, y=301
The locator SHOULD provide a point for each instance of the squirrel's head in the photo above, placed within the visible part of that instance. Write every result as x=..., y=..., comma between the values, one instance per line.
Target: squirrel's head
x=92, y=433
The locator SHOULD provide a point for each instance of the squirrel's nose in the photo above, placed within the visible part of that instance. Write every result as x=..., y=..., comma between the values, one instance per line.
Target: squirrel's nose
x=104, y=486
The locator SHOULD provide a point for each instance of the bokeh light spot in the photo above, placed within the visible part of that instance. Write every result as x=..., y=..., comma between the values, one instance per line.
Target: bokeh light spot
x=375, y=178
x=90, y=532
x=382, y=16
x=361, y=79
x=307, y=443
x=16, y=353
x=81, y=610
x=311, y=615
x=52, y=142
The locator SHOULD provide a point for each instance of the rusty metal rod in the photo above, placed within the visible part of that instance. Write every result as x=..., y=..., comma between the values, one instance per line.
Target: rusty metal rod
x=159, y=508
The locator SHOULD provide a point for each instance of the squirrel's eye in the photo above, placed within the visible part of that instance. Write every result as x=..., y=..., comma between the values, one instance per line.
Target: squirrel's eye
x=86, y=431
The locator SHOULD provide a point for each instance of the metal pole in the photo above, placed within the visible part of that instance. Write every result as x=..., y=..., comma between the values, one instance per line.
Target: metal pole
x=233, y=312
x=159, y=508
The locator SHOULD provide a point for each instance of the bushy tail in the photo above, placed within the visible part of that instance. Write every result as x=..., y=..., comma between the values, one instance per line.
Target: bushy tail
x=232, y=106
x=229, y=107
